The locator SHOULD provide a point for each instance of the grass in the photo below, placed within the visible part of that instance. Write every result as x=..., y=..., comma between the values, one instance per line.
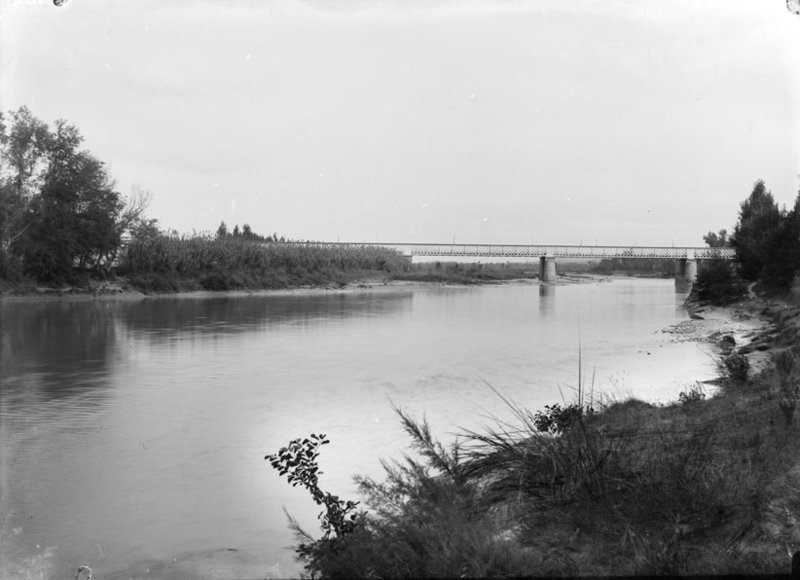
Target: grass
x=700, y=486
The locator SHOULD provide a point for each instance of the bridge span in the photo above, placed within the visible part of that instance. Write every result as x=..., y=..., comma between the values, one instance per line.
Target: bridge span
x=685, y=257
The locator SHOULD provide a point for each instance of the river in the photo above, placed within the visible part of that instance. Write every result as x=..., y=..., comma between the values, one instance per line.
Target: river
x=135, y=431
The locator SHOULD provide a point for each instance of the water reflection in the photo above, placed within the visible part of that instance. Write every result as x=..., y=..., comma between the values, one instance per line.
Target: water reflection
x=547, y=299
x=172, y=460
x=165, y=318
x=62, y=347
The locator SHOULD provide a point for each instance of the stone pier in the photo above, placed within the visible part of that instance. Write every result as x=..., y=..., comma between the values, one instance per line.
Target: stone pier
x=547, y=269
x=686, y=269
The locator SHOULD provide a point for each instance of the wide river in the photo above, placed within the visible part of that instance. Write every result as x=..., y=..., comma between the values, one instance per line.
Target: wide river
x=135, y=430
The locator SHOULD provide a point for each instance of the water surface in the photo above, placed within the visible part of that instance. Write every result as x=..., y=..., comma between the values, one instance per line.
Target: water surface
x=136, y=431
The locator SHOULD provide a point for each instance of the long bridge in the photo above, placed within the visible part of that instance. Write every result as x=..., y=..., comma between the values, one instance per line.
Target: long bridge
x=685, y=257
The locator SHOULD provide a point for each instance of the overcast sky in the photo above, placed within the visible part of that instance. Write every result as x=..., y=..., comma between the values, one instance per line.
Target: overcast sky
x=596, y=122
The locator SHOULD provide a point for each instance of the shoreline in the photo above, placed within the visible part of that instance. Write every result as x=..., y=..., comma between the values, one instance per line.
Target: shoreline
x=751, y=327
x=121, y=291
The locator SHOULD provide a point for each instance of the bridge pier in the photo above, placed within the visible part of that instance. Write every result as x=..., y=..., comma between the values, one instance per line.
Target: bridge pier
x=547, y=269
x=686, y=270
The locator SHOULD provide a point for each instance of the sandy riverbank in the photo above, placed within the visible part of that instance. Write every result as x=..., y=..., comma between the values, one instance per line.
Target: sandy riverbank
x=752, y=327
x=730, y=329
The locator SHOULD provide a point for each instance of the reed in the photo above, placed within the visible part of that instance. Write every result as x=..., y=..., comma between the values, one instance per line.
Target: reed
x=232, y=262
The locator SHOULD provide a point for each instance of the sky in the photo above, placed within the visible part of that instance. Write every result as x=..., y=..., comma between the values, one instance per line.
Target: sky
x=610, y=122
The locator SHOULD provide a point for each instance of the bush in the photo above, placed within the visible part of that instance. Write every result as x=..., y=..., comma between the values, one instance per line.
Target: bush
x=216, y=281
x=691, y=395
x=298, y=462
x=156, y=282
x=426, y=522
x=718, y=283
x=556, y=419
x=736, y=368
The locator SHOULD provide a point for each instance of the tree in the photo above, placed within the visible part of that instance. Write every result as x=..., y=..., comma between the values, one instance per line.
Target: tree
x=24, y=143
x=717, y=240
x=222, y=231
x=756, y=234
x=60, y=211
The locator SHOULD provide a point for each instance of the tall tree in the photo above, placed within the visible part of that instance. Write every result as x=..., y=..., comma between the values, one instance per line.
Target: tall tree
x=757, y=231
x=59, y=209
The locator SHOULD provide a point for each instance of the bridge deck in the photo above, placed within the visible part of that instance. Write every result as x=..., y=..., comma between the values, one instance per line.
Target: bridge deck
x=538, y=251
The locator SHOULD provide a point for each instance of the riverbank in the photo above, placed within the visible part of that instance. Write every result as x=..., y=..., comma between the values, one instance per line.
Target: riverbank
x=752, y=327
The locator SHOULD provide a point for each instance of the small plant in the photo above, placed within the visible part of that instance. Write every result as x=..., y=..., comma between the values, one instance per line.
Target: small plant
x=556, y=419
x=691, y=395
x=298, y=462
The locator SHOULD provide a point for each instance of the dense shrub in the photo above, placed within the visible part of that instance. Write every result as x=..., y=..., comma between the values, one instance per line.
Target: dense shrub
x=154, y=282
x=718, y=283
x=556, y=419
x=735, y=367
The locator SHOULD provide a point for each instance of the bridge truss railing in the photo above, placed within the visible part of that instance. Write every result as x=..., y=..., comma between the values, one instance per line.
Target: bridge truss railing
x=539, y=251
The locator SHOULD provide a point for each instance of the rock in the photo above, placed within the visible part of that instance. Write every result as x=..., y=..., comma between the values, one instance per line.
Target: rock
x=727, y=341
x=694, y=316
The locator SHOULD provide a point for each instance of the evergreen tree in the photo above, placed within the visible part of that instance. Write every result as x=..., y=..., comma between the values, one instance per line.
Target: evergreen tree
x=757, y=232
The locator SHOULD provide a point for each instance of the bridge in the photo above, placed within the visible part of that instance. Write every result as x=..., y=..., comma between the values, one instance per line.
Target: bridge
x=685, y=257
